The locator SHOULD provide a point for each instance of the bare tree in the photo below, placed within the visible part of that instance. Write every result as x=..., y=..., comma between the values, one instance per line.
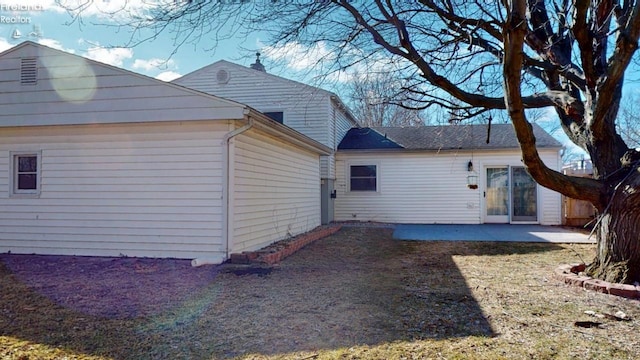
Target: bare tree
x=476, y=56
x=629, y=121
x=377, y=100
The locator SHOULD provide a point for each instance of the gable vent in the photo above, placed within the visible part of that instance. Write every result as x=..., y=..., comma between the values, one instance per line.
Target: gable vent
x=222, y=77
x=28, y=71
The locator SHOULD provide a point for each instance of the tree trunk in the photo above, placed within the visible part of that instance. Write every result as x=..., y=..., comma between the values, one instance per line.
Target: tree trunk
x=618, y=233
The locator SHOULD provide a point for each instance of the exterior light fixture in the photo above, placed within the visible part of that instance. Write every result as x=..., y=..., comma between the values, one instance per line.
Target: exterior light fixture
x=472, y=178
x=472, y=181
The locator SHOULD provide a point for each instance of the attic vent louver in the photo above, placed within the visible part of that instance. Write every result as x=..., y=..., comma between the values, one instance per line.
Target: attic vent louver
x=28, y=71
x=222, y=77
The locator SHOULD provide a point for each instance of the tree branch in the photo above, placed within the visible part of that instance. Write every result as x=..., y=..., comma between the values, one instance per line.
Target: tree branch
x=578, y=188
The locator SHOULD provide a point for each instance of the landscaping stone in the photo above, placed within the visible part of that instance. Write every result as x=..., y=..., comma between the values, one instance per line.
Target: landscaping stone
x=572, y=275
x=278, y=251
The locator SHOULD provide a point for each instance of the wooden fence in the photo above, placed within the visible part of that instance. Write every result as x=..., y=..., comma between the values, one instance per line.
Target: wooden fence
x=577, y=212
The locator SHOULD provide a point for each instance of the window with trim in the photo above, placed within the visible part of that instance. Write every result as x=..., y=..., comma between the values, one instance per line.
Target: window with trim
x=26, y=173
x=363, y=178
x=276, y=115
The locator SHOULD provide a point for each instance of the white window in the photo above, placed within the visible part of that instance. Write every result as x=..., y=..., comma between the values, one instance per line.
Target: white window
x=363, y=178
x=25, y=168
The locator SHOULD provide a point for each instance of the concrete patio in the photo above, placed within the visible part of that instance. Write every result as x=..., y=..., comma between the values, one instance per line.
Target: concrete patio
x=491, y=232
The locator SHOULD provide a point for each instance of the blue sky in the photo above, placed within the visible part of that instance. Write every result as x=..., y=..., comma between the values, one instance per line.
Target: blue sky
x=45, y=22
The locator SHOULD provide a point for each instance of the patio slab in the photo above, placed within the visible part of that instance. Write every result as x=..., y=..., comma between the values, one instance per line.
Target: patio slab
x=491, y=232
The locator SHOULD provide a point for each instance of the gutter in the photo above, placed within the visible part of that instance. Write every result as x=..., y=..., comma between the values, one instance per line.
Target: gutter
x=261, y=122
x=290, y=135
x=226, y=192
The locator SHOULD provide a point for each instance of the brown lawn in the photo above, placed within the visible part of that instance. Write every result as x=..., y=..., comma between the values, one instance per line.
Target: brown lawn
x=355, y=295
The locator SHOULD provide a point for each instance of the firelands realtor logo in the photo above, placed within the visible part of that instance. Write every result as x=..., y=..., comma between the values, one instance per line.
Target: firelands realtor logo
x=16, y=14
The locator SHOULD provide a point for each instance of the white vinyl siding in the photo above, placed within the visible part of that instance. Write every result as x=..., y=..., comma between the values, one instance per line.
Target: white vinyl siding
x=306, y=108
x=276, y=191
x=134, y=190
x=429, y=187
x=343, y=124
x=133, y=166
x=73, y=90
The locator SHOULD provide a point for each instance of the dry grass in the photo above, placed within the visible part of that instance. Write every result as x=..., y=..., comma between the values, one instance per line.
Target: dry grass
x=354, y=295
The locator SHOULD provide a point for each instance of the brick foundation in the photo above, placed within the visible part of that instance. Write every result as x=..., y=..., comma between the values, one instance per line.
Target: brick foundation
x=570, y=274
x=276, y=252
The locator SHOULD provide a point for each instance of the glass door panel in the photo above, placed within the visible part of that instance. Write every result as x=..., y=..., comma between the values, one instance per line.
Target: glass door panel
x=524, y=196
x=497, y=195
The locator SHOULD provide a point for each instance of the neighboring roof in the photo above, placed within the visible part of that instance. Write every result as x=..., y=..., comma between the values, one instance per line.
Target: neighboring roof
x=334, y=97
x=446, y=137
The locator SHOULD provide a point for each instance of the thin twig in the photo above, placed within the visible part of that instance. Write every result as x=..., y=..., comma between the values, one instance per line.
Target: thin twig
x=580, y=331
x=575, y=252
x=309, y=357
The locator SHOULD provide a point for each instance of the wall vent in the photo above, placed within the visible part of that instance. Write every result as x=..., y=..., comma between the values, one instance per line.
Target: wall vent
x=28, y=71
x=222, y=77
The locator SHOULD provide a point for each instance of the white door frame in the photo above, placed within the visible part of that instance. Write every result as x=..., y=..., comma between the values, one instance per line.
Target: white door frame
x=498, y=218
x=508, y=217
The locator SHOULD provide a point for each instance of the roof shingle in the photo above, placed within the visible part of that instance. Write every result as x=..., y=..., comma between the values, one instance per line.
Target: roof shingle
x=447, y=137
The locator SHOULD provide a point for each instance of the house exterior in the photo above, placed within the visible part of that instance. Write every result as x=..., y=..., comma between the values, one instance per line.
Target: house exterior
x=420, y=175
x=312, y=111
x=96, y=160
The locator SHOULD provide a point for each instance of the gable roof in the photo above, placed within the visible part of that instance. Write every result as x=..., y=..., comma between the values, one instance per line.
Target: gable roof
x=73, y=90
x=265, y=75
x=447, y=137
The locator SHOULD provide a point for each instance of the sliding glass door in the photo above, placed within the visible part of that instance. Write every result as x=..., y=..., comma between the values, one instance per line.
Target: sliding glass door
x=524, y=196
x=497, y=195
x=510, y=195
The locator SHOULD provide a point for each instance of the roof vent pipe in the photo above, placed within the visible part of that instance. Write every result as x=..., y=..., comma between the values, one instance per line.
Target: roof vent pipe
x=258, y=65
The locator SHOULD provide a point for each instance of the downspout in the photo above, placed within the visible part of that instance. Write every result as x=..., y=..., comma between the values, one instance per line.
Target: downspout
x=226, y=181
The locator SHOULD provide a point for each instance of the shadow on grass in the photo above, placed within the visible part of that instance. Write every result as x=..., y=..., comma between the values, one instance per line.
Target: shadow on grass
x=357, y=287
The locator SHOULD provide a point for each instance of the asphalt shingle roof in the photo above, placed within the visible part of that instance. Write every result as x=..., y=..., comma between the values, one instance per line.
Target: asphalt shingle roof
x=367, y=138
x=448, y=137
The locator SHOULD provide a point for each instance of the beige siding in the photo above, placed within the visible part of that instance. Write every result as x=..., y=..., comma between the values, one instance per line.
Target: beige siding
x=276, y=191
x=135, y=190
x=429, y=188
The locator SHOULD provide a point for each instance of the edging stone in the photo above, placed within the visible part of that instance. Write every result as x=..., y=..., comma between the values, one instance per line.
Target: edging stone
x=278, y=251
x=570, y=275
